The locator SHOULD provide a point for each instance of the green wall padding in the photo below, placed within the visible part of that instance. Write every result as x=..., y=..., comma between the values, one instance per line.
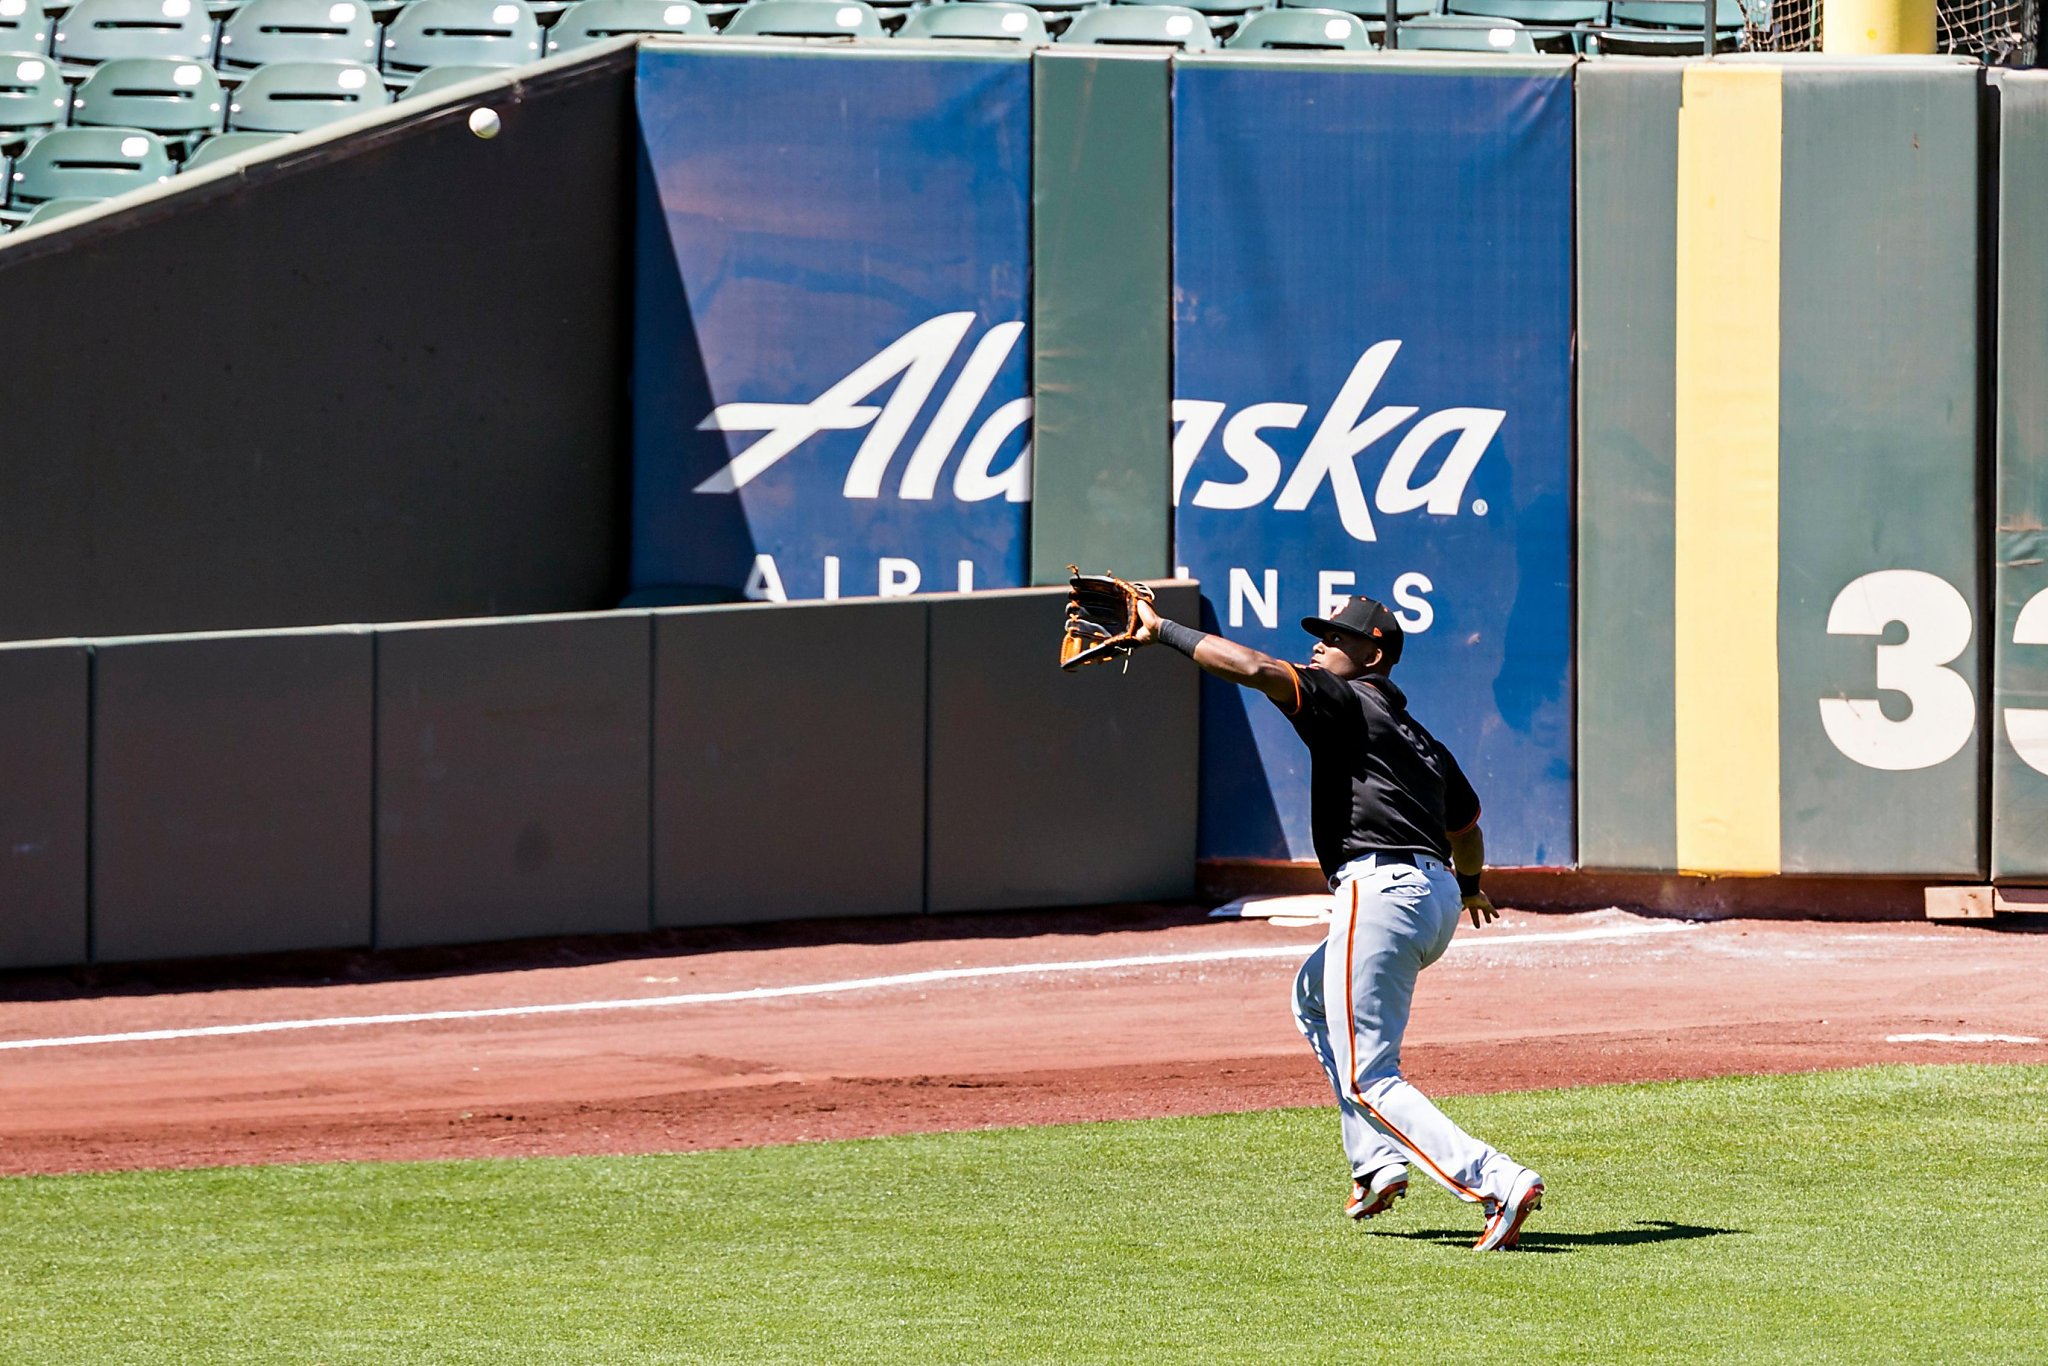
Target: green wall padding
x=1100, y=314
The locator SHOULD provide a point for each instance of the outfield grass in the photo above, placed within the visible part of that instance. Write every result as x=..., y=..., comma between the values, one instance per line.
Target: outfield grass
x=1879, y=1215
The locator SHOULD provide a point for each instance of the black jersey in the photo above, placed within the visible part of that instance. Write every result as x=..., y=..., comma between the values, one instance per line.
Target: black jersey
x=1379, y=782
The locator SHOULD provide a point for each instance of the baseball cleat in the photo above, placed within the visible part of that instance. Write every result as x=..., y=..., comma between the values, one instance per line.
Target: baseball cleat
x=1504, y=1217
x=1377, y=1194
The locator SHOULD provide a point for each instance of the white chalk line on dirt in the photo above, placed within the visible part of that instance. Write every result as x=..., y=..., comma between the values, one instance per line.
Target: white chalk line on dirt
x=1961, y=1038
x=901, y=979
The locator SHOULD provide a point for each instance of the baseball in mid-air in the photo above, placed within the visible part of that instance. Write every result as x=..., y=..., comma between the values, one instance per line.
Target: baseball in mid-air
x=484, y=122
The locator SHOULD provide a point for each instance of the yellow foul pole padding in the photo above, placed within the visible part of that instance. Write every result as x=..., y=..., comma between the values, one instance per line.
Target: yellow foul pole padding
x=1725, y=560
x=1862, y=27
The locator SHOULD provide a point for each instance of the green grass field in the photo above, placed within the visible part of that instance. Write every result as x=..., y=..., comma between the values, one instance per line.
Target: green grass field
x=1892, y=1214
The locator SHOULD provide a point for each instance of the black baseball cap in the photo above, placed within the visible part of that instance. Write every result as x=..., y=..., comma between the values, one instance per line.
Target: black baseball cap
x=1364, y=618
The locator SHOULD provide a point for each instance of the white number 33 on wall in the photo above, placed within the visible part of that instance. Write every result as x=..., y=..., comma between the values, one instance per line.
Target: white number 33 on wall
x=1944, y=712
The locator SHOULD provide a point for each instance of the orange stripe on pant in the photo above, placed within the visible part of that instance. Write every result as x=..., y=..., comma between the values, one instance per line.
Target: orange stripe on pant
x=1351, y=1066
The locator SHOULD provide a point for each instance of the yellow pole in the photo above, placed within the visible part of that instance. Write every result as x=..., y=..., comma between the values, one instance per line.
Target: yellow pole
x=1862, y=27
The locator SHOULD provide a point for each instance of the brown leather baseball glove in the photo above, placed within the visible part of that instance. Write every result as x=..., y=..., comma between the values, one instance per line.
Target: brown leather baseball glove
x=1102, y=618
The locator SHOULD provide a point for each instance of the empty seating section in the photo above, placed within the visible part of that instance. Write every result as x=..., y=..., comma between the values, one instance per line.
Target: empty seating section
x=100, y=96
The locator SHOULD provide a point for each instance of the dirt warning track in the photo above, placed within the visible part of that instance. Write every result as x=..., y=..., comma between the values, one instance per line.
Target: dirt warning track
x=724, y=1038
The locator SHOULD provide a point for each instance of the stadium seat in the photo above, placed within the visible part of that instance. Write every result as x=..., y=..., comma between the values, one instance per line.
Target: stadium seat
x=1302, y=30
x=266, y=31
x=1142, y=26
x=24, y=28
x=57, y=208
x=1228, y=11
x=33, y=96
x=104, y=30
x=429, y=33
x=180, y=101
x=593, y=21
x=1461, y=33
x=438, y=78
x=1535, y=13
x=221, y=146
x=806, y=19
x=991, y=21
x=1368, y=9
x=1674, y=14
x=292, y=97
x=91, y=163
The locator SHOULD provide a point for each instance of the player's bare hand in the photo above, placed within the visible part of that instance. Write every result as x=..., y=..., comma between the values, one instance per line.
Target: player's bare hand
x=1480, y=907
x=1148, y=623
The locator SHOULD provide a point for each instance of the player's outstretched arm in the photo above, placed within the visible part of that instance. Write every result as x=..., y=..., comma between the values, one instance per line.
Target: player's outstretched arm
x=1228, y=660
x=1468, y=859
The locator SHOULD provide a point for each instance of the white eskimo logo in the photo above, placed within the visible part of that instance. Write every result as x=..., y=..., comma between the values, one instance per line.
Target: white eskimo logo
x=917, y=359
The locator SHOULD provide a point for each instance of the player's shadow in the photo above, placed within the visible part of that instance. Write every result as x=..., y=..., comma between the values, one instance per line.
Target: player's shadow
x=1541, y=1240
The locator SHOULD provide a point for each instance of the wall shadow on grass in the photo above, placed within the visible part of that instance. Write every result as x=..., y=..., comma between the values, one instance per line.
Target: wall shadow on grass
x=1539, y=1240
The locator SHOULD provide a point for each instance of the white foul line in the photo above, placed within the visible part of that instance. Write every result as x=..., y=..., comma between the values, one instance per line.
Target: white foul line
x=1960, y=1038
x=902, y=979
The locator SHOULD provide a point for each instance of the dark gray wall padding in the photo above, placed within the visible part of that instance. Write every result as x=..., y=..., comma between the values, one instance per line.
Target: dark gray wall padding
x=512, y=778
x=1052, y=789
x=231, y=794
x=378, y=378
x=789, y=761
x=44, y=701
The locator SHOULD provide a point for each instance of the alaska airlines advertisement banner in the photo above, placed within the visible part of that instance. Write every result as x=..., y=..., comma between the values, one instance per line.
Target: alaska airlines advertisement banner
x=1373, y=283
x=830, y=389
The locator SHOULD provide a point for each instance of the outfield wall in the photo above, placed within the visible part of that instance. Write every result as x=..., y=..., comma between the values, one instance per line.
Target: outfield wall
x=1651, y=393
x=377, y=375
x=453, y=782
x=1779, y=505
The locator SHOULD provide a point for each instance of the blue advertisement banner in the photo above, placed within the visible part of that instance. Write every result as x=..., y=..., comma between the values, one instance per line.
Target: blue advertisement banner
x=1373, y=350
x=830, y=388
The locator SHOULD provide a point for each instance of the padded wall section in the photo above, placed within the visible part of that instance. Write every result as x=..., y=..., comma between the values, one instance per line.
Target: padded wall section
x=512, y=779
x=1049, y=788
x=1373, y=380
x=1100, y=308
x=831, y=391
x=1881, y=520
x=231, y=794
x=1627, y=201
x=44, y=701
x=2019, y=713
x=1812, y=523
x=787, y=793
x=373, y=379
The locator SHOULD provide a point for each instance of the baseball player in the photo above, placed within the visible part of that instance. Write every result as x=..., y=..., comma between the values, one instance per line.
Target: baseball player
x=1388, y=807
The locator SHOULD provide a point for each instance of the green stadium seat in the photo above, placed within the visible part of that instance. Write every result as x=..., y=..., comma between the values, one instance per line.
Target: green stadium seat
x=1535, y=13
x=57, y=208
x=33, y=96
x=1673, y=14
x=104, y=30
x=90, y=163
x=1463, y=33
x=438, y=78
x=180, y=101
x=221, y=146
x=265, y=31
x=292, y=97
x=429, y=33
x=1302, y=30
x=806, y=19
x=1228, y=11
x=993, y=22
x=24, y=28
x=1174, y=26
x=1368, y=9
x=593, y=21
